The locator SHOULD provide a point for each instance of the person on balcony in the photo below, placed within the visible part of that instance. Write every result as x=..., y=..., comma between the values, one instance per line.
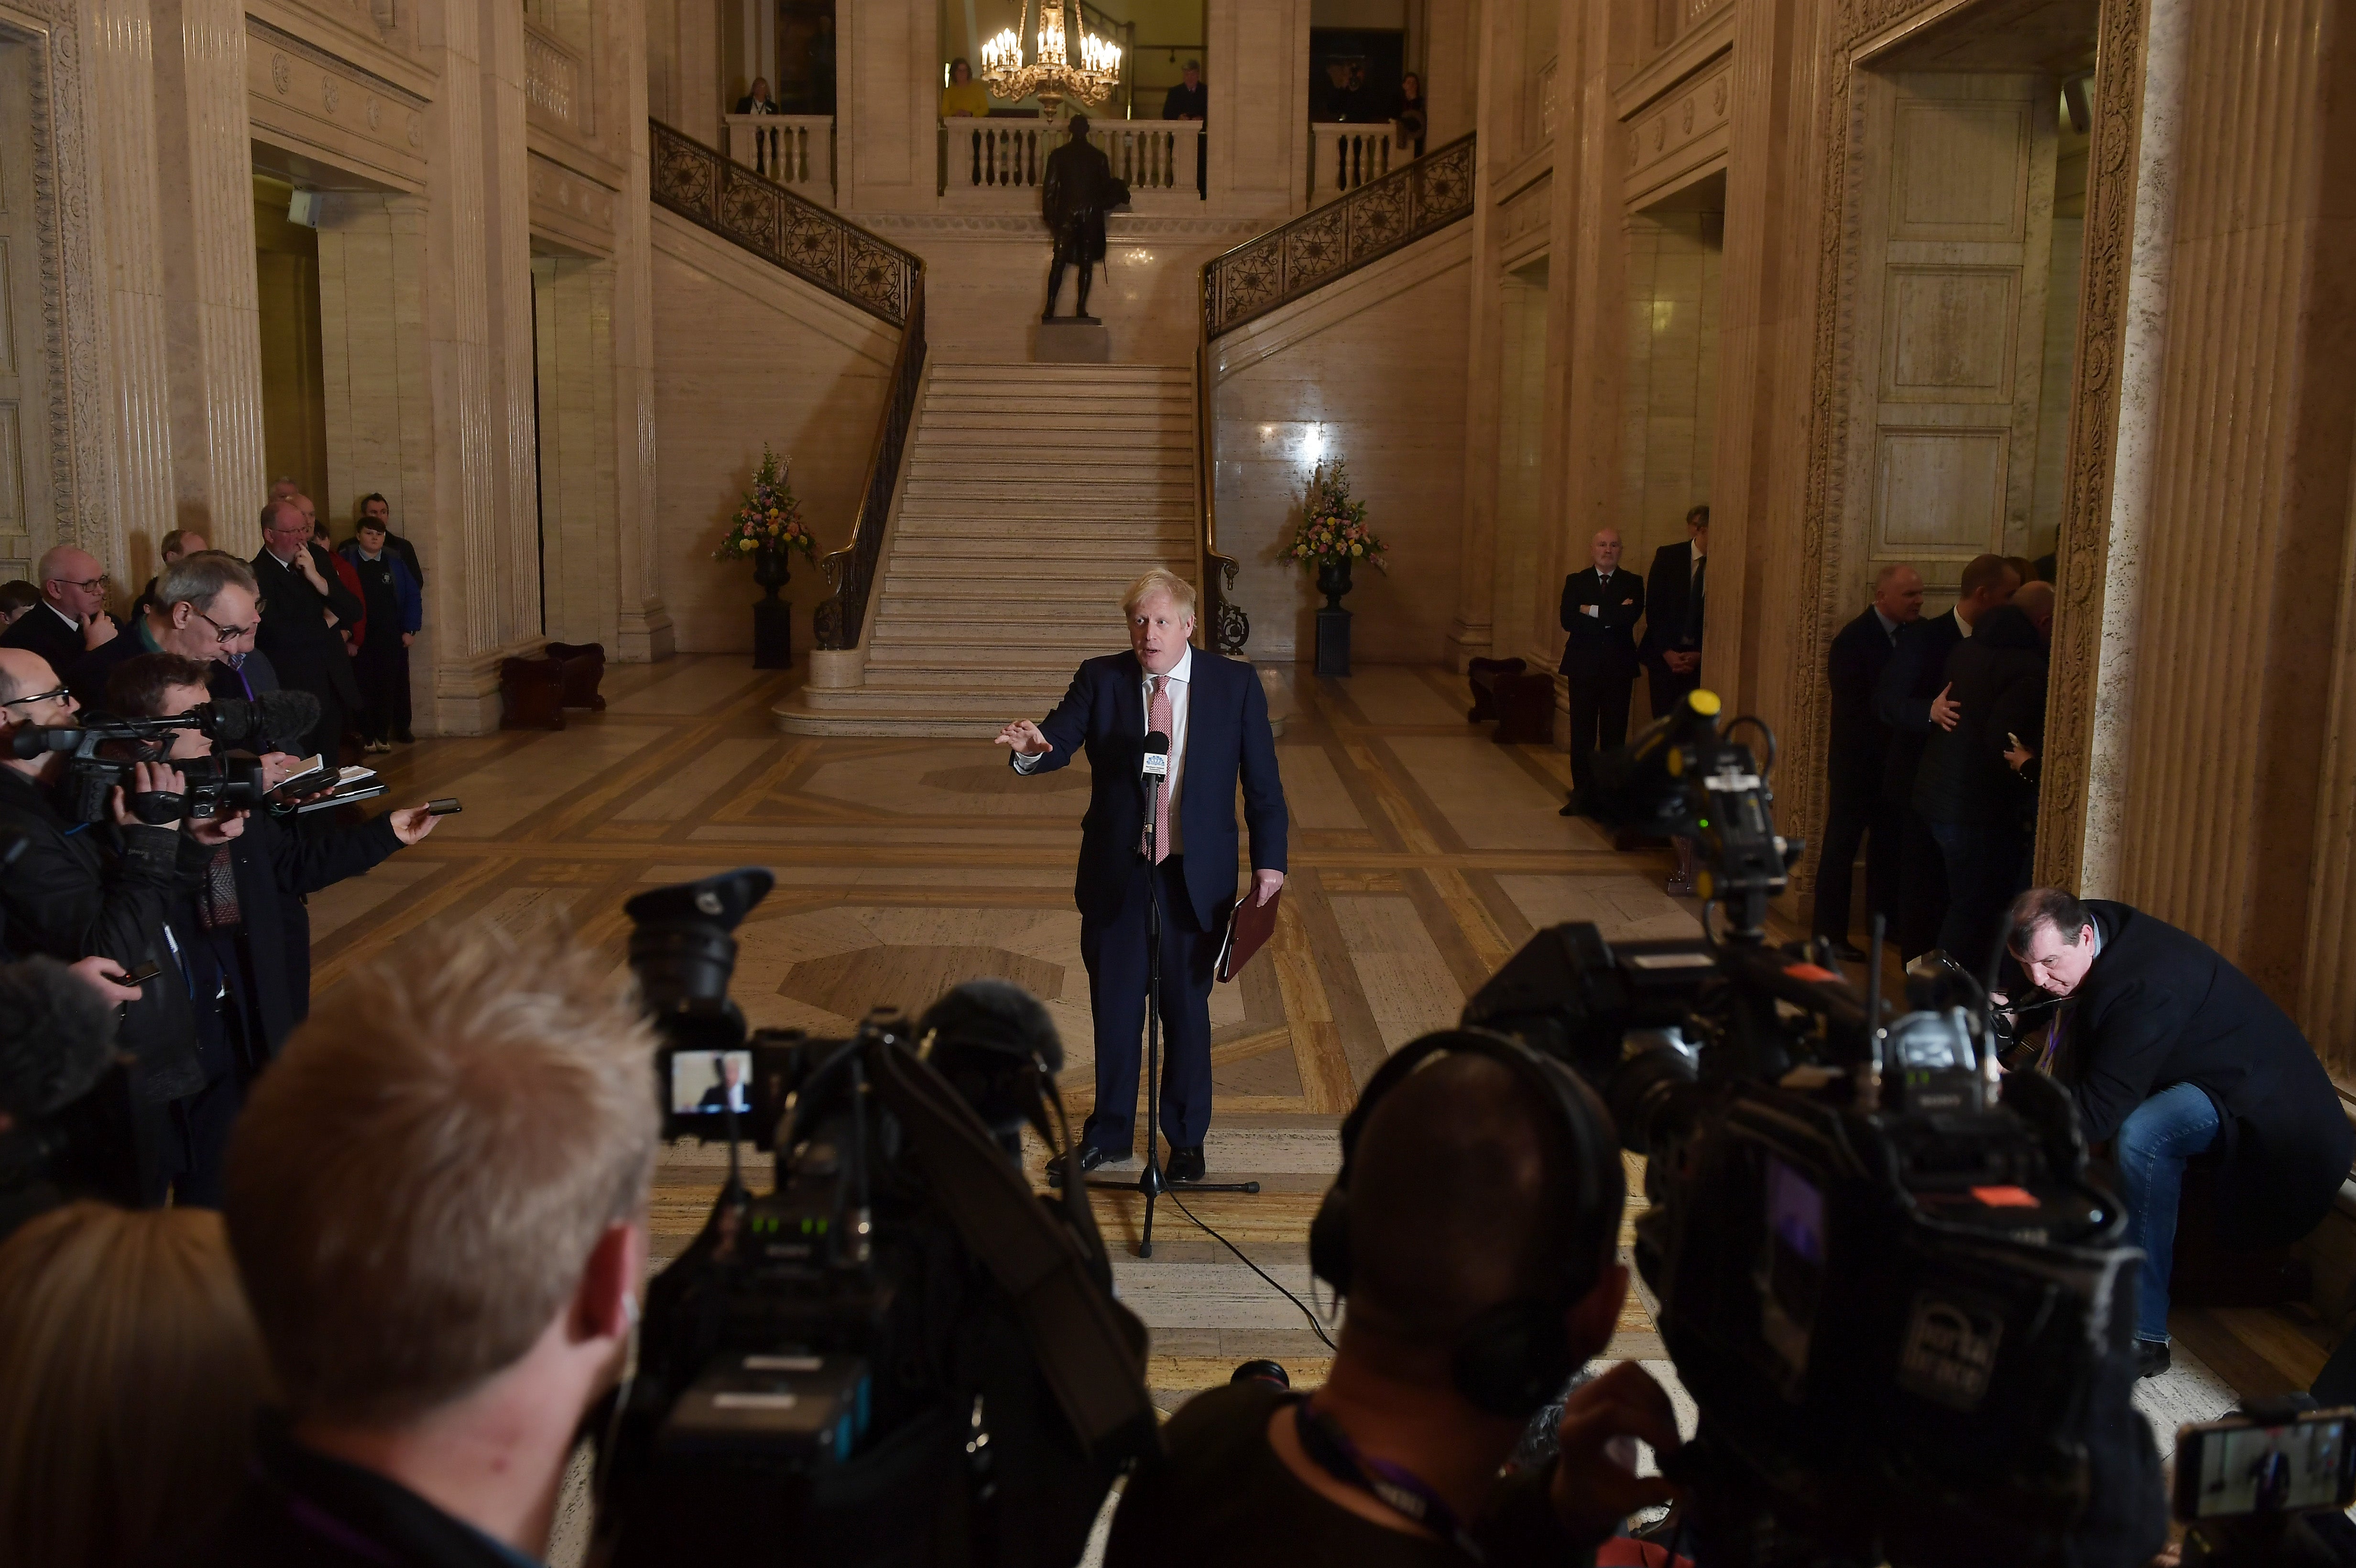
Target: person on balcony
x=1410, y=114
x=1190, y=100
x=964, y=98
x=758, y=100
x=1078, y=190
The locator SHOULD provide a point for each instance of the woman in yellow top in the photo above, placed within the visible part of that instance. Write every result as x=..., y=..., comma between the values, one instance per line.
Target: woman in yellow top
x=964, y=98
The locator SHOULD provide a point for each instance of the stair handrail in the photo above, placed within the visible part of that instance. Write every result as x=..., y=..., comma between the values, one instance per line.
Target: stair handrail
x=747, y=207
x=1275, y=267
x=850, y=570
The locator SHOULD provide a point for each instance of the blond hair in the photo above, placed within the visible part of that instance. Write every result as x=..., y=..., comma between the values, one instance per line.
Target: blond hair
x=1159, y=579
x=132, y=1373
x=418, y=1181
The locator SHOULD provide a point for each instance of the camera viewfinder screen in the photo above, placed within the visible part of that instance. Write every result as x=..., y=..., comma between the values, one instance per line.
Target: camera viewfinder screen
x=1793, y=1270
x=2272, y=1469
x=708, y=1083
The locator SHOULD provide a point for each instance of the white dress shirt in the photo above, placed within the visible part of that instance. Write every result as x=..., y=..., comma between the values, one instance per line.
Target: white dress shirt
x=1181, y=679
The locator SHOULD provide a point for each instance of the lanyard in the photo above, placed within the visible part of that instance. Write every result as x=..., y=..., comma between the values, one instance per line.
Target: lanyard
x=1396, y=1487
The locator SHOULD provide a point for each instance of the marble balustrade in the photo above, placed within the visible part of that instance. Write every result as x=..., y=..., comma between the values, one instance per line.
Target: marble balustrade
x=795, y=150
x=998, y=164
x=1343, y=157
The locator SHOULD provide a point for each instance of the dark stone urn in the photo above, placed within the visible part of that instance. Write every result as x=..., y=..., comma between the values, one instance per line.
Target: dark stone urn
x=1332, y=621
x=773, y=618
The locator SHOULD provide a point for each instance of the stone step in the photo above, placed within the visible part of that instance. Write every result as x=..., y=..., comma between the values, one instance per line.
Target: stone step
x=1080, y=445
x=1152, y=539
x=1023, y=372
x=1045, y=628
x=944, y=506
x=929, y=480
x=929, y=576
x=1178, y=419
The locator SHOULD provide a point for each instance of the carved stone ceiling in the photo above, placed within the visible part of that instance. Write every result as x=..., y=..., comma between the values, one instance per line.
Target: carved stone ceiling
x=2055, y=37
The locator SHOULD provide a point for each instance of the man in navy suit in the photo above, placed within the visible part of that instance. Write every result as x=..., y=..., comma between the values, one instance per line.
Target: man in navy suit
x=1215, y=716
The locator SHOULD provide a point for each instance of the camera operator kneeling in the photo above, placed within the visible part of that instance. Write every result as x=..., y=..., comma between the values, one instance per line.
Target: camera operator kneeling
x=437, y=1201
x=2173, y=1052
x=1472, y=1231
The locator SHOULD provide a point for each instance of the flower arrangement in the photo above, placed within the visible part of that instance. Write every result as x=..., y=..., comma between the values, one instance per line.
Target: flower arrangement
x=769, y=517
x=1333, y=529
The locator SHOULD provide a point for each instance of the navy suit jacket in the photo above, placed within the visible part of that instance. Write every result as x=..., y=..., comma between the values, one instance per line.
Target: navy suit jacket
x=1227, y=741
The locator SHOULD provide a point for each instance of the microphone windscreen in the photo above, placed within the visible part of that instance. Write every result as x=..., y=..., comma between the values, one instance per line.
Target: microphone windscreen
x=287, y=714
x=57, y=1038
x=994, y=1015
x=1155, y=741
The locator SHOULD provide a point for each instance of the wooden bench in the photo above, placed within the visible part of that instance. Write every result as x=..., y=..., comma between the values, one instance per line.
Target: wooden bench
x=1519, y=699
x=535, y=692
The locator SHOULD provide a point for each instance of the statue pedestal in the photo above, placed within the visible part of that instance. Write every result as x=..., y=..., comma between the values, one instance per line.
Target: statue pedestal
x=1071, y=340
x=1334, y=642
x=773, y=634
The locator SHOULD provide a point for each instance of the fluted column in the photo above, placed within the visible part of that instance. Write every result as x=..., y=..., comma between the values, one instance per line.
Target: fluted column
x=645, y=625
x=119, y=121
x=206, y=237
x=2247, y=526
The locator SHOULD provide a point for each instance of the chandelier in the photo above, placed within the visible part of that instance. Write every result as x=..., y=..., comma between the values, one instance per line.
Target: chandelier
x=1053, y=75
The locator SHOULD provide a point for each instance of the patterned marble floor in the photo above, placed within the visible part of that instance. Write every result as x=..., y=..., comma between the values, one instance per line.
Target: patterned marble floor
x=1422, y=854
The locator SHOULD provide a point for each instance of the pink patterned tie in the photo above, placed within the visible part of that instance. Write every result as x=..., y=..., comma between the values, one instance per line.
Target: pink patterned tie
x=1157, y=716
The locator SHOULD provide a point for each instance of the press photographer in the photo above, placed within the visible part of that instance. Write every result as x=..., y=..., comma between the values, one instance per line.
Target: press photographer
x=1472, y=1231
x=2175, y=1054
x=106, y=889
x=897, y=1355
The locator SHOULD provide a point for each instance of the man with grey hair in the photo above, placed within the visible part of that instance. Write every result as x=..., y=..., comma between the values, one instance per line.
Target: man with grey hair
x=1855, y=809
x=437, y=1199
x=1213, y=716
x=71, y=617
x=207, y=607
x=310, y=609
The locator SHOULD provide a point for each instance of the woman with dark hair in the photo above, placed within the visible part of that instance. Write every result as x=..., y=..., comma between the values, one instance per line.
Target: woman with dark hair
x=1407, y=117
x=964, y=98
x=16, y=598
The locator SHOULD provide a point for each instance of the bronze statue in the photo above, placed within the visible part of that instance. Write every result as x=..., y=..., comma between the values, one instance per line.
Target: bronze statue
x=1077, y=192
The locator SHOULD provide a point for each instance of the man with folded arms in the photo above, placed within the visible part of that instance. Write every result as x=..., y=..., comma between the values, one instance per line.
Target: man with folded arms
x=1214, y=715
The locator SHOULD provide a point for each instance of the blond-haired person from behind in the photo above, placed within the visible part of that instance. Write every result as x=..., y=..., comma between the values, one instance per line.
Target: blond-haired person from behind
x=132, y=1374
x=437, y=1199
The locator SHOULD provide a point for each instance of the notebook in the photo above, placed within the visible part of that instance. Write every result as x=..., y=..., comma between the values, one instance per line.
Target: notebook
x=1250, y=925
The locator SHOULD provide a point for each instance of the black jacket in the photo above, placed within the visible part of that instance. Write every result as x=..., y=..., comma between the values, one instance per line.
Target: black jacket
x=40, y=630
x=1604, y=644
x=1916, y=672
x=83, y=890
x=278, y=861
x=1673, y=607
x=308, y=653
x=301, y=1510
x=1860, y=746
x=2159, y=1008
x=1076, y=192
x=1999, y=676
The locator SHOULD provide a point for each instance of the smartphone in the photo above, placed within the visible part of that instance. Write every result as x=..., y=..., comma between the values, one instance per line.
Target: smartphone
x=446, y=807
x=141, y=975
x=2238, y=1467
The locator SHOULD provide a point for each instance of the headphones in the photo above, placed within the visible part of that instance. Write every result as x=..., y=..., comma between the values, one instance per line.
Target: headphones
x=1512, y=1357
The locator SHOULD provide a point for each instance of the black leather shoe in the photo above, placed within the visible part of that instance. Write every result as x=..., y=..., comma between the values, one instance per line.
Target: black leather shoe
x=2151, y=1358
x=1186, y=1163
x=1091, y=1156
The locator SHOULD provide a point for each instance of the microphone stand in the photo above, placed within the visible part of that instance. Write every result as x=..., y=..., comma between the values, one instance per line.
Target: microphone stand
x=1150, y=1180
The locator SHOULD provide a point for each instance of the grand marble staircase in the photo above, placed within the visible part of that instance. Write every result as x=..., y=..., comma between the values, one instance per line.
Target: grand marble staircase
x=1034, y=495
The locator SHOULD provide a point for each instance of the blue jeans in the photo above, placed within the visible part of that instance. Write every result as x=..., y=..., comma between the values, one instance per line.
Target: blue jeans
x=2157, y=1138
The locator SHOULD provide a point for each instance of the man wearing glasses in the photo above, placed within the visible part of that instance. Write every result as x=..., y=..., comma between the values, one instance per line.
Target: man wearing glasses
x=208, y=607
x=309, y=608
x=71, y=617
x=78, y=890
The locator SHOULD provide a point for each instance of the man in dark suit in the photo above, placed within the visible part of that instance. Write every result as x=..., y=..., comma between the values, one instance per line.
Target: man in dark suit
x=71, y=617
x=1913, y=700
x=1601, y=607
x=1673, y=615
x=301, y=590
x=1854, y=810
x=1215, y=716
x=1075, y=194
x=2174, y=1052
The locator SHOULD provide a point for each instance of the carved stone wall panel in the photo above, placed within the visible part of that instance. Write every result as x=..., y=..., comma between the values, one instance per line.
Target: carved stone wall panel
x=1683, y=131
x=569, y=207
x=1522, y=218
x=308, y=101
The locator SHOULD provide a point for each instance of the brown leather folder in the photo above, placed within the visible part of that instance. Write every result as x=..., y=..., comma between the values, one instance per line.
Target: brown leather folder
x=1250, y=925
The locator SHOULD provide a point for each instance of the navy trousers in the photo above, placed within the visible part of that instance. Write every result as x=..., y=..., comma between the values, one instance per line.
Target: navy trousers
x=1115, y=951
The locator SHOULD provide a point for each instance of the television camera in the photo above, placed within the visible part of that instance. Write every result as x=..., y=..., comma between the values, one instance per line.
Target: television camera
x=898, y=1354
x=105, y=750
x=1882, y=1271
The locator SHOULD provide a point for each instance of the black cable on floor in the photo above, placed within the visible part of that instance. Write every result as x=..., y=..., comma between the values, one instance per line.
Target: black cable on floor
x=1316, y=1327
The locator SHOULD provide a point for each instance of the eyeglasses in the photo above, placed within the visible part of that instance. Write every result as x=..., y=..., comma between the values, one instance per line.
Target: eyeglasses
x=231, y=634
x=36, y=698
x=90, y=586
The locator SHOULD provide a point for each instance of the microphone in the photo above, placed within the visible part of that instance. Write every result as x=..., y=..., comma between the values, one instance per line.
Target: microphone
x=1157, y=756
x=236, y=722
x=57, y=1039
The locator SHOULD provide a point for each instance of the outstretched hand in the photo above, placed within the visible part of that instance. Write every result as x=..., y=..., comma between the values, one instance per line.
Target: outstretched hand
x=1591, y=1490
x=1025, y=739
